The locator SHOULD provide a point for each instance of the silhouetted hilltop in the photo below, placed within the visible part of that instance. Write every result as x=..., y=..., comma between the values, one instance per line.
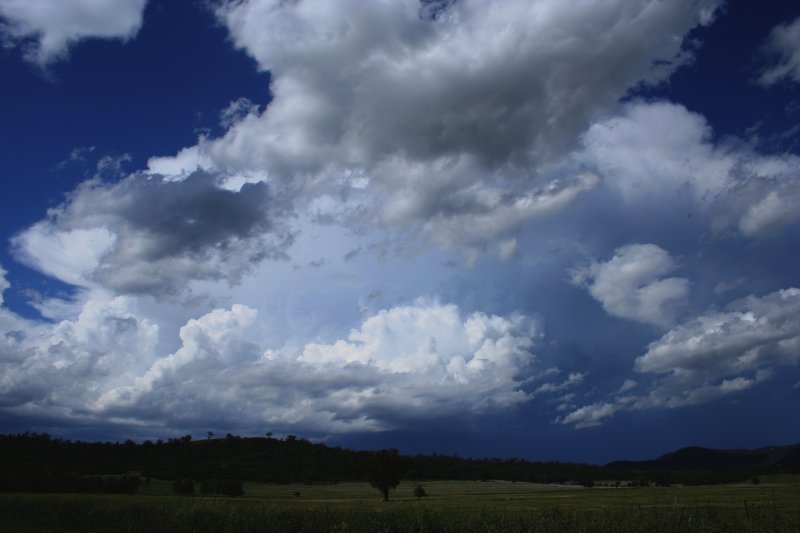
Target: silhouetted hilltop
x=790, y=461
x=696, y=458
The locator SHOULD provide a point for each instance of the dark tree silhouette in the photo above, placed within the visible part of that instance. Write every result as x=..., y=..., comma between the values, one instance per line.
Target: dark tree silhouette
x=228, y=487
x=384, y=471
x=419, y=492
x=183, y=486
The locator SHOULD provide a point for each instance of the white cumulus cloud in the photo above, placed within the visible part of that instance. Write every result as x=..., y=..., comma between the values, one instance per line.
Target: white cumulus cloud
x=632, y=285
x=63, y=366
x=629, y=384
x=47, y=28
x=650, y=150
x=420, y=361
x=716, y=354
x=404, y=364
x=773, y=212
x=660, y=153
x=749, y=333
x=575, y=378
x=783, y=47
x=590, y=415
x=4, y=284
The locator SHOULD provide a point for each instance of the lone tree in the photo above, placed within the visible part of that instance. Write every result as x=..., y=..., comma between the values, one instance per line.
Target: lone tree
x=419, y=492
x=384, y=471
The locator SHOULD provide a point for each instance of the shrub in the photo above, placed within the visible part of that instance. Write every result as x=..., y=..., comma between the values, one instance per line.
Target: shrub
x=183, y=486
x=228, y=487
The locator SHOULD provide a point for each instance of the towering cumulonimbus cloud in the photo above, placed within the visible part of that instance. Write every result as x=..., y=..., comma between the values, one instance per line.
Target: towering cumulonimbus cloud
x=444, y=120
x=304, y=270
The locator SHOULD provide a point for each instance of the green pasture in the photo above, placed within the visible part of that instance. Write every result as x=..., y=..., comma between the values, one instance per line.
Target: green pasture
x=772, y=505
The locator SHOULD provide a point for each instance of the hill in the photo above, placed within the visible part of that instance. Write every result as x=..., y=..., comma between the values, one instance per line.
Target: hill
x=696, y=458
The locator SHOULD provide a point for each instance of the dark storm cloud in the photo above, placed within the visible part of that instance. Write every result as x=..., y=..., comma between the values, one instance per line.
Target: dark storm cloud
x=159, y=234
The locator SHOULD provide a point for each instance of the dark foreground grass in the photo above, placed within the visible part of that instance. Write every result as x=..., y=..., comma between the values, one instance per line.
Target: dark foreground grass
x=492, y=507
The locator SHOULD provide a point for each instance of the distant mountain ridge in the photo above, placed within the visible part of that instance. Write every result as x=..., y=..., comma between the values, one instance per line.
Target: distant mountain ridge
x=697, y=458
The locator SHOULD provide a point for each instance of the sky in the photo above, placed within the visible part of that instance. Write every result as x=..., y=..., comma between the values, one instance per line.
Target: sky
x=494, y=228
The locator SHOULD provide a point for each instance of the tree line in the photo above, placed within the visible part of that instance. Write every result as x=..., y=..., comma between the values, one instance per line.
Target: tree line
x=41, y=460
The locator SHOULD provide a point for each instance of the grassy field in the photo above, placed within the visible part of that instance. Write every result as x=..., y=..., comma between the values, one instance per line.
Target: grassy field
x=773, y=505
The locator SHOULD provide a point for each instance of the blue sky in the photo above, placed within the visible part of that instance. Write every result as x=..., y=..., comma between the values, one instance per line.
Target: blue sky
x=501, y=228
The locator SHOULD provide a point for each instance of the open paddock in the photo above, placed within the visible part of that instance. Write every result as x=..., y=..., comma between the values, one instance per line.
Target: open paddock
x=772, y=505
